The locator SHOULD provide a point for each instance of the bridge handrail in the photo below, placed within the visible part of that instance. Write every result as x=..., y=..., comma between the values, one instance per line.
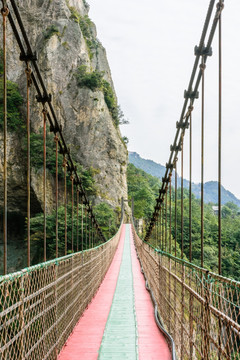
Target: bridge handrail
x=16, y=274
x=40, y=305
x=200, y=309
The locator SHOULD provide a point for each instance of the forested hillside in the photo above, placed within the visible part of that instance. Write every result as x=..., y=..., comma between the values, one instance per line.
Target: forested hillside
x=210, y=187
x=144, y=189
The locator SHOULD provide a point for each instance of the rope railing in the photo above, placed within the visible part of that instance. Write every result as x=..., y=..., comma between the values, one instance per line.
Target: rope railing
x=40, y=305
x=198, y=308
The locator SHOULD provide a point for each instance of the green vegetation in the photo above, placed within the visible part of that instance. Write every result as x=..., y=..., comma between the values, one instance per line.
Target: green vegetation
x=36, y=146
x=94, y=81
x=125, y=140
x=1, y=61
x=105, y=215
x=50, y=31
x=86, y=25
x=14, y=101
x=144, y=189
x=107, y=219
x=85, y=3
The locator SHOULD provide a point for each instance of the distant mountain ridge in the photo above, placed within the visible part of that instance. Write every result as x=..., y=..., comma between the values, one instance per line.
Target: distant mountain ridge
x=210, y=187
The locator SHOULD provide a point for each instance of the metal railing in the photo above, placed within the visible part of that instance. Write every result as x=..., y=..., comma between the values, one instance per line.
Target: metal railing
x=40, y=305
x=199, y=309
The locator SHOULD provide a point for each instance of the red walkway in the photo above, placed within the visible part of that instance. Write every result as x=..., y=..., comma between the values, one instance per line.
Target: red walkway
x=85, y=341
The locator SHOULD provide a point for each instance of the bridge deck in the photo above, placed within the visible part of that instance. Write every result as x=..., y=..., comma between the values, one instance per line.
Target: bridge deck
x=119, y=323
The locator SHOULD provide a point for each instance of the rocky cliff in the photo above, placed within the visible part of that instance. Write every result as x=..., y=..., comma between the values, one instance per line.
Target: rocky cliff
x=65, y=40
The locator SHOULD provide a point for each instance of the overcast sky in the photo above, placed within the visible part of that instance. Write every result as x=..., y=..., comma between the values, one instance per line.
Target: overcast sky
x=150, y=48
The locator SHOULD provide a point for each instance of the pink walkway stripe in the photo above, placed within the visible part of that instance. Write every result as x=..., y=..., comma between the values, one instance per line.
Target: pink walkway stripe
x=85, y=340
x=151, y=343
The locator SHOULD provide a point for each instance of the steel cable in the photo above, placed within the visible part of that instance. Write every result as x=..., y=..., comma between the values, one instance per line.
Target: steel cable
x=43, y=95
x=189, y=95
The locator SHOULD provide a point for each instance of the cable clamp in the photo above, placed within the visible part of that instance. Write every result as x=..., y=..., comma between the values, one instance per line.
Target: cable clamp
x=63, y=151
x=191, y=94
x=175, y=148
x=182, y=125
x=46, y=98
x=28, y=57
x=164, y=179
x=169, y=166
x=56, y=128
x=202, y=51
x=220, y=7
x=5, y=10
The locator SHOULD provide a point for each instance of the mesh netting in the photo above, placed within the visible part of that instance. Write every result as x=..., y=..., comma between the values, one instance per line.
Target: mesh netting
x=201, y=310
x=40, y=306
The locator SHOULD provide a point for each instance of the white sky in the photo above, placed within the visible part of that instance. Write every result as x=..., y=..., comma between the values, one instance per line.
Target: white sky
x=150, y=48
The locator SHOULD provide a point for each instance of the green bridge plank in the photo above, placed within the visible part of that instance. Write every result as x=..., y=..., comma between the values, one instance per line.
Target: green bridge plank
x=120, y=340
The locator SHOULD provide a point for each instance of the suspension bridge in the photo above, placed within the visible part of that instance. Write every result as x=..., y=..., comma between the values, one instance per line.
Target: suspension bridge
x=124, y=297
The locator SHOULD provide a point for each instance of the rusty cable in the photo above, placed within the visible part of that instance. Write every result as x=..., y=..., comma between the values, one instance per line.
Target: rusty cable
x=39, y=83
x=28, y=72
x=166, y=208
x=56, y=185
x=190, y=184
x=202, y=67
x=86, y=228
x=44, y=184
x=92, y=232
x=65, y=201
x=191, y=94
x=175, y=218
x=162, y=248
x=5, y=13
x=72, y=184
x=77, y=219
x=170, y=214
x=182, y=243
x=82, y=228
x=89, y=231
x=220, y=7
x=160, y=228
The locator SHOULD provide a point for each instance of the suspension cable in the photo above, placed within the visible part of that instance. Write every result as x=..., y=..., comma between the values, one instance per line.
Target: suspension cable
x=190, y=95
x=28, y=72
x=182, y=242
x=77, y=219
x=65, y=201
x=44, y=184
x=72, y=184
x=21, y=37
x=190, y=183
x=5, y=13
x=175, y=218
x=56, y=199
x=202, y=67
x=220, y=8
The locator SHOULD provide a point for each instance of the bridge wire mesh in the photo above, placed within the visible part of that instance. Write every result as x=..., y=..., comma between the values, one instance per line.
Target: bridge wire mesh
x=195, y=305
x=40, y=305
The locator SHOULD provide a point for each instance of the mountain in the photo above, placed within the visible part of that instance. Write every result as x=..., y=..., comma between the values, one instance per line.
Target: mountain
x=210, y=187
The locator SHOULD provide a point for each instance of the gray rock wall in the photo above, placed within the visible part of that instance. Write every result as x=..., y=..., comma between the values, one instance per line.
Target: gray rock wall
x=87, y=124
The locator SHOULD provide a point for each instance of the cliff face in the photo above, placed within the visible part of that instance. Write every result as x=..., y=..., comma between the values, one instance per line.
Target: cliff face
x=65, y=39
